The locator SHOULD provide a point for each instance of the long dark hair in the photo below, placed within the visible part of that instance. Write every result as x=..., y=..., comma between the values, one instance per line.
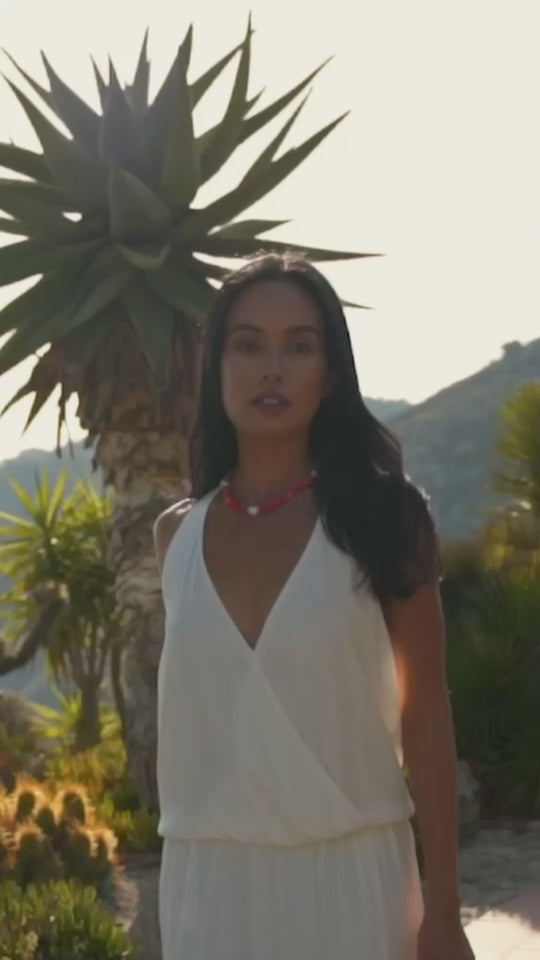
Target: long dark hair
x=369, y=507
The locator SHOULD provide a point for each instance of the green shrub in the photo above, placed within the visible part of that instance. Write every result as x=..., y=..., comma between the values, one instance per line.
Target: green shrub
x=493, y=662
x=102, y=770
x=58, y=921
x=135, y=830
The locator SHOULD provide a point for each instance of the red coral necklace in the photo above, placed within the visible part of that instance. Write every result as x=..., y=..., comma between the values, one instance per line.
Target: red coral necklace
x=255, y=510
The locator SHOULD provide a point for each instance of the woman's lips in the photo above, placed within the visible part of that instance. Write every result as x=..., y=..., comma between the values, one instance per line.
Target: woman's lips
x=271, y=403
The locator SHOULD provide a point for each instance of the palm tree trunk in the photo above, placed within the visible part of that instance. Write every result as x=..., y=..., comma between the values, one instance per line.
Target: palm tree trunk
x=88, y=730
x=146, y=470
x=116, y=686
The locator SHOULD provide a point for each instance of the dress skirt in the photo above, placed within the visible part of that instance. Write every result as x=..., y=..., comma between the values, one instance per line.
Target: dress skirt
x=356, y=897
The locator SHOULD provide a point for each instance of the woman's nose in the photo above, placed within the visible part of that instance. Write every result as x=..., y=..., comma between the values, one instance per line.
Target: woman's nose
x=272, y=375
x=272, y=367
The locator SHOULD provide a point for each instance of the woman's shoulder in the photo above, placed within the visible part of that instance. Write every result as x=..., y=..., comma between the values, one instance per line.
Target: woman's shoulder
x=166, y=525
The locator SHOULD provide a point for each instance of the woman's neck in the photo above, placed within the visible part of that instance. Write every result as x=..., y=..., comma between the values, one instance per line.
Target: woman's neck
x=265, y=470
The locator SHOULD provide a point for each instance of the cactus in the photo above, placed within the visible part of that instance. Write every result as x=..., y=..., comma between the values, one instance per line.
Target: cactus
x=53, y=835
x=72, y=802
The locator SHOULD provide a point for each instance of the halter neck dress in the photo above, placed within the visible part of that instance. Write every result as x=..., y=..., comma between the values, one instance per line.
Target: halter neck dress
x=283, y=805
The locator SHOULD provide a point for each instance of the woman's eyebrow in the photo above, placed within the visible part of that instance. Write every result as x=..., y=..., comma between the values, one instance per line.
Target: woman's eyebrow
x=253, y=328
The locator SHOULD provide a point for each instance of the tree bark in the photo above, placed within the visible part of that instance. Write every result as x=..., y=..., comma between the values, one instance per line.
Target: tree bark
x=36, y=638
x=146, y=470
x=88, y=730
x=116, y=686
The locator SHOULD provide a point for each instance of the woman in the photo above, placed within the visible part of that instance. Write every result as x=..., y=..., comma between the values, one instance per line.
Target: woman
x=303, y=659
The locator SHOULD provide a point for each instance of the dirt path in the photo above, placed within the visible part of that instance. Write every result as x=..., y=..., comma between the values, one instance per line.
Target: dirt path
x=497, y=864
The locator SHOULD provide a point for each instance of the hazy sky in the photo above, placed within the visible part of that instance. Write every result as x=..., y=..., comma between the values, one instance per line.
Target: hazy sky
x=437, y=165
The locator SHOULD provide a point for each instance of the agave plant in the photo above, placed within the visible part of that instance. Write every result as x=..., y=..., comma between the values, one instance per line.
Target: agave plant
x=128, y=267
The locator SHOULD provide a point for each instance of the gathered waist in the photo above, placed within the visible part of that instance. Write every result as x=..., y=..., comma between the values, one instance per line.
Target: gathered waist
x=269, y=834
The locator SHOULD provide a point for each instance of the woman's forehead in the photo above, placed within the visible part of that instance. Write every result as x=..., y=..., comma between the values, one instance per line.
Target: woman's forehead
x=275, y=302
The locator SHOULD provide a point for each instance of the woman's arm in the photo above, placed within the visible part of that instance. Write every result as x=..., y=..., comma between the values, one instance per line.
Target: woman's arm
x=416, y=628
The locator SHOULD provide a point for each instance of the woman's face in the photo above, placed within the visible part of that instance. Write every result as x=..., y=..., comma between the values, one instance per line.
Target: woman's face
x=273, y=368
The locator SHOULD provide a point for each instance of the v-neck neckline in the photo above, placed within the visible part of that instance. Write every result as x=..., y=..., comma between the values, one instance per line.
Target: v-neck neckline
x=279, y=599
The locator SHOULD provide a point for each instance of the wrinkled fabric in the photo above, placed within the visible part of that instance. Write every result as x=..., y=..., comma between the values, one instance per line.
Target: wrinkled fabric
x=283, y=804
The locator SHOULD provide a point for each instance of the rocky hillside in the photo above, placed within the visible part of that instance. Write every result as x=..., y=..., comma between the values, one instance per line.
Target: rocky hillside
x=448, y=440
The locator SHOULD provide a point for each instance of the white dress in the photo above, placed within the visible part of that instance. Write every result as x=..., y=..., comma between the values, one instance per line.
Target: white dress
x=284, y=809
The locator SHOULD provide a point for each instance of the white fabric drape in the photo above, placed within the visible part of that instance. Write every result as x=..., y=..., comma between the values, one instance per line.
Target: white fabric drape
x=283, y=803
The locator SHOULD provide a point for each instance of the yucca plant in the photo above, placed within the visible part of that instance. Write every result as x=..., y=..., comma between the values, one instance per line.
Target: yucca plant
x=128, y=266
x=59, y=552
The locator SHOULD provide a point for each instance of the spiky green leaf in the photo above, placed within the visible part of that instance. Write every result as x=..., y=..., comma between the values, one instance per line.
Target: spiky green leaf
x=357, y=306
x=136, y=211
x=263, y=161
x=154, y=322
x=14, y=200
x=41, y=397
x=60, y=230
x=250, y=190
x=137, y=92
x=209, y=268
x=87, y=340
x=24, y=497
x=46, y=296
x=23, y=161
x=27, y=258
x=45, y=377
x=74, y=112
x=13, y=226
x=75, y=172
x=217, y=246
x=54, y=501
x=106, y=263
x=100, y=83
x=187, y=46
x=185, y=291
x=252, y=124
x=168, y=131
x=42, y=92
x=146, y=255
x=40, y=192
x=204, y=82
x=252, y=101
x=180, y=172
x=119, y=137
x=216, y=148
x=281, y=168
x=105, y=293
x=30, y=335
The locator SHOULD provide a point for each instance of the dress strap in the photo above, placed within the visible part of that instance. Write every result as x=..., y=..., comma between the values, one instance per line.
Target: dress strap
x=183, y=542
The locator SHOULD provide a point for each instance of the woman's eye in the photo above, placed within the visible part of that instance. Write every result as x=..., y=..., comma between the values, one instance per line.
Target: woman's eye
x=302, y=346
x=246, y=346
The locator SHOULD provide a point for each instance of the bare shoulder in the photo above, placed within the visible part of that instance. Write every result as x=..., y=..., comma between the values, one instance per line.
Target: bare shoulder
x=166, y=525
